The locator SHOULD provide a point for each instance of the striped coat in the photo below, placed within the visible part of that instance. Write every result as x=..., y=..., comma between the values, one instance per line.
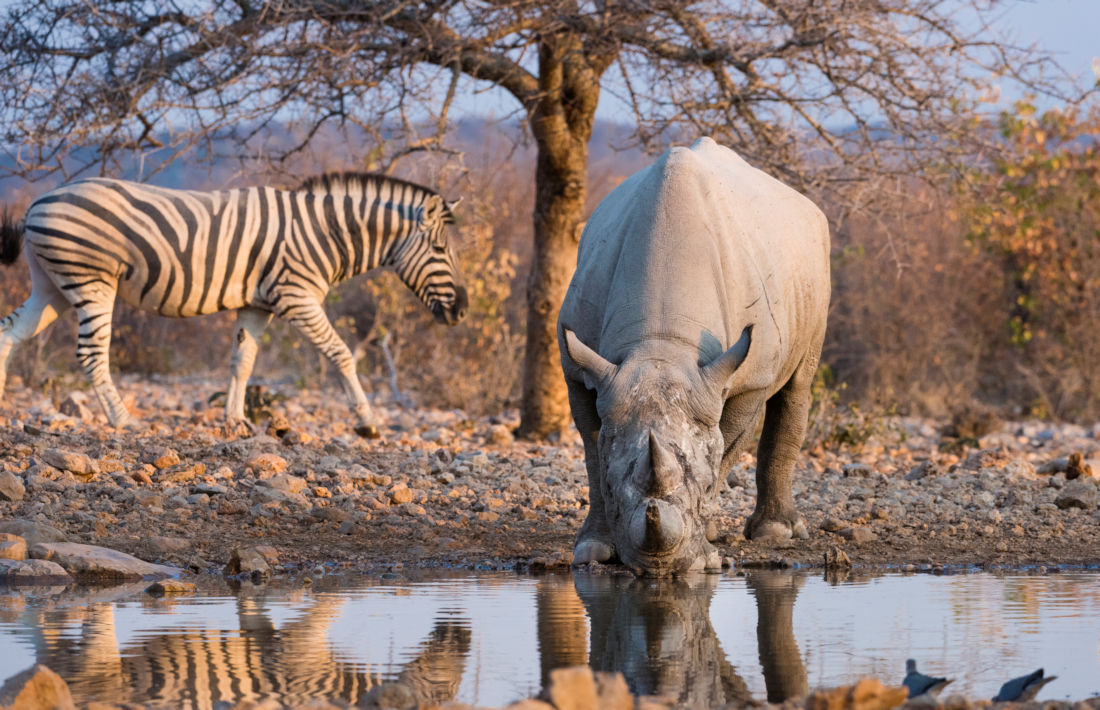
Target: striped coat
x=258, y=250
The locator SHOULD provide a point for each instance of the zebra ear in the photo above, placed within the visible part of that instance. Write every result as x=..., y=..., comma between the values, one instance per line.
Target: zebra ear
x=454, y=203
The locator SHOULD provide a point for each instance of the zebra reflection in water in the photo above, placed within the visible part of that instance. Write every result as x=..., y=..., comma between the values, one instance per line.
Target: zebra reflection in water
x=200, y=667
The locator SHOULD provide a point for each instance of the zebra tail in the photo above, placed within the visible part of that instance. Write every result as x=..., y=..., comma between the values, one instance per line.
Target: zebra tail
x=11, y=235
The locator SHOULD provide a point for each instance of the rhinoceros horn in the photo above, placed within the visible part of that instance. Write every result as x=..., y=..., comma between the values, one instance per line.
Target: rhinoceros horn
x=719, y=372
x=663, y=471
x=596, y=369
x=656, y=527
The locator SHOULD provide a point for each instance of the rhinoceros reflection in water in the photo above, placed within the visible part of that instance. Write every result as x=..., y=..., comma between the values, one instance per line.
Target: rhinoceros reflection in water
x=660, y=636
x=197, y=668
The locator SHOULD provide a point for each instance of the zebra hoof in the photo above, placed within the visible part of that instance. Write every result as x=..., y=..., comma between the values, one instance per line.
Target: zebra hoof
x=367, y=431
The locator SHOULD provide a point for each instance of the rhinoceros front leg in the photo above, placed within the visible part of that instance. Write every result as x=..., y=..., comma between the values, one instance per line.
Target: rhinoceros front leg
x=594, y=543
x=776, y=516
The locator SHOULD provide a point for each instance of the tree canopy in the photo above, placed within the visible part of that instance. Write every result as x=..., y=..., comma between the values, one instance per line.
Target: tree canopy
x=814, y=92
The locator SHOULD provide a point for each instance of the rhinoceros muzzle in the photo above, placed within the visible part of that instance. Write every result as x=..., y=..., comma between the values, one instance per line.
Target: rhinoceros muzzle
x=657, y=527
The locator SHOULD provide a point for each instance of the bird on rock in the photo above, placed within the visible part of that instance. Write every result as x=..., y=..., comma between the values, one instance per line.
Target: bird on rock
x=1022, y=689
x=919, y=684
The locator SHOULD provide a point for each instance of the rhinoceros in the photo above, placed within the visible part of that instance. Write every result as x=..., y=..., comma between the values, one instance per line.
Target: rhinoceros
x=699, y=303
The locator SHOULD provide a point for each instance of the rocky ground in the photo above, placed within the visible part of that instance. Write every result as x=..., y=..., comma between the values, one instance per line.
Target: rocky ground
x=441, y=488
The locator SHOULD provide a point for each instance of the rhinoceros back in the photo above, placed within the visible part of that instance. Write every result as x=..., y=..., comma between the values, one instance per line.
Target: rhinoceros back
x=693, y=249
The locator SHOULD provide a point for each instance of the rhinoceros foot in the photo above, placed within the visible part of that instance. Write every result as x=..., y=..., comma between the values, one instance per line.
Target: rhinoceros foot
x=774, y=530
x=593, y=550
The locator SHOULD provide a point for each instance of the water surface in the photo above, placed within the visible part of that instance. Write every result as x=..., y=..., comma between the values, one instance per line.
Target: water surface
x=489, y=639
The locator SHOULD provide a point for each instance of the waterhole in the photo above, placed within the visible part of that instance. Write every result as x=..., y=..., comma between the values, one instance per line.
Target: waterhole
x=492, y=638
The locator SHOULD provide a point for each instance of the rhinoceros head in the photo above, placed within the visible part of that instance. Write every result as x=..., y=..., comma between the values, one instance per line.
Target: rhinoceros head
x=660, y=450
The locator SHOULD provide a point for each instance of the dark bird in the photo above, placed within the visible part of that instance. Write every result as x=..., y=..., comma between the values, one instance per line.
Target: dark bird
x=1023, y=688
x=919, y=684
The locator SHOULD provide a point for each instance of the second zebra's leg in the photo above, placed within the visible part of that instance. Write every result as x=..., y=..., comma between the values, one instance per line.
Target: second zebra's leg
x=95, y=306
x=310, y=319
x=251, y=323
x=43, y=307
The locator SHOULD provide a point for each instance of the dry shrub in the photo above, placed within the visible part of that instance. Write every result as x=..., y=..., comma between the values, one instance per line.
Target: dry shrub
x=910, y=325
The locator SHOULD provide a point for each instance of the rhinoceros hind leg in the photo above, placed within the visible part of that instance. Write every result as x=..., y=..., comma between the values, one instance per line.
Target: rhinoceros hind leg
x=776, y=518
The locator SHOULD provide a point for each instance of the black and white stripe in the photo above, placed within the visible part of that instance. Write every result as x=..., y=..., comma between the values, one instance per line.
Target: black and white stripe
x=259, y=250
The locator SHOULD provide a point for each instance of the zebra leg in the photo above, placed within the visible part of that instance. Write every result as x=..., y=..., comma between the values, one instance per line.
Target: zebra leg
x=251, y=323
x=95, y=306
x=310, y=319
x=43, y=307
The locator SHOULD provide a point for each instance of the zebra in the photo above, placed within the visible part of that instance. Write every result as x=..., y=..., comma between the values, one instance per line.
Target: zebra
x=261, y=251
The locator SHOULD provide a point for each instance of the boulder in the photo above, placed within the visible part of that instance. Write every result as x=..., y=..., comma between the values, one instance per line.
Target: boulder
x=572, y=689
x=92, y=562
x=37, y=688
x=1078, y=494
x=11, y=487
x=866, y=694
x=169, y=586
x=249, y=561
x=12, y=547
x=76, y=405
x=32, y=532
x=72, y=461
x=28, y=572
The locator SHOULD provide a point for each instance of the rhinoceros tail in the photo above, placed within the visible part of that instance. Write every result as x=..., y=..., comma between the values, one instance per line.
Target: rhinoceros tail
x=11, y=236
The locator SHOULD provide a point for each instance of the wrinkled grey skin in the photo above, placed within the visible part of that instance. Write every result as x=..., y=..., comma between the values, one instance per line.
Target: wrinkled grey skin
x=698, y=304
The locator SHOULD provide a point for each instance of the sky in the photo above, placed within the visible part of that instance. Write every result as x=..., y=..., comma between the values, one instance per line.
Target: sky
x=1070, y=29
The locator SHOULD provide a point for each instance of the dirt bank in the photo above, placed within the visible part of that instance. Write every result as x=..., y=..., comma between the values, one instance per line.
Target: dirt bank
x=444, y=489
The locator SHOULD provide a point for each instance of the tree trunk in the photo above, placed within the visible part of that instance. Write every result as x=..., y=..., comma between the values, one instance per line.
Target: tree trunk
x=561, y=123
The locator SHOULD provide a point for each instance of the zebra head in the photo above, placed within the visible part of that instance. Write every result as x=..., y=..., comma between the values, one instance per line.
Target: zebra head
x=425, y=263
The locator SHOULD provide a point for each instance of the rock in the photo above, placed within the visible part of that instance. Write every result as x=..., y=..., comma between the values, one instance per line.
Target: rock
x=16, y=572
x=32, y=532
x=170, y=586
x=92, y=562
x=500, y=435
x=248, y=561
x=266, y=465
x=1077, y=467
x=211, y=489
x=12, y=547
x=71, y=461
x=858, y=535
x=986, y=458
x=1078, y=494
x=1053, y=466
x=286, y=483
x=612, y=692
x=922, y=470
x=836, y=558
x=11, y=487
x=858, y=470
x=401, y=494
x=572, y=689
x=163, y=545
x=529, y=704
x=37, y=688
x=395, y=696
x=175, y=475
x=76, y=405
x=833, y=525
x=866, y=694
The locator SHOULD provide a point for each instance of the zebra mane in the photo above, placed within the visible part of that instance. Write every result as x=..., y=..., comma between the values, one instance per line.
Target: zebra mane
x=352, y=182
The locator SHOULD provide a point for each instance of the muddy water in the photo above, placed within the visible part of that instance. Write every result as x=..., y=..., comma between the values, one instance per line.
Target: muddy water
x=492, y=638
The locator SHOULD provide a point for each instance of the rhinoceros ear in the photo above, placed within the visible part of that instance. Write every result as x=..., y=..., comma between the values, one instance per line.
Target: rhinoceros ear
x=596, y=369
x=719, y=372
